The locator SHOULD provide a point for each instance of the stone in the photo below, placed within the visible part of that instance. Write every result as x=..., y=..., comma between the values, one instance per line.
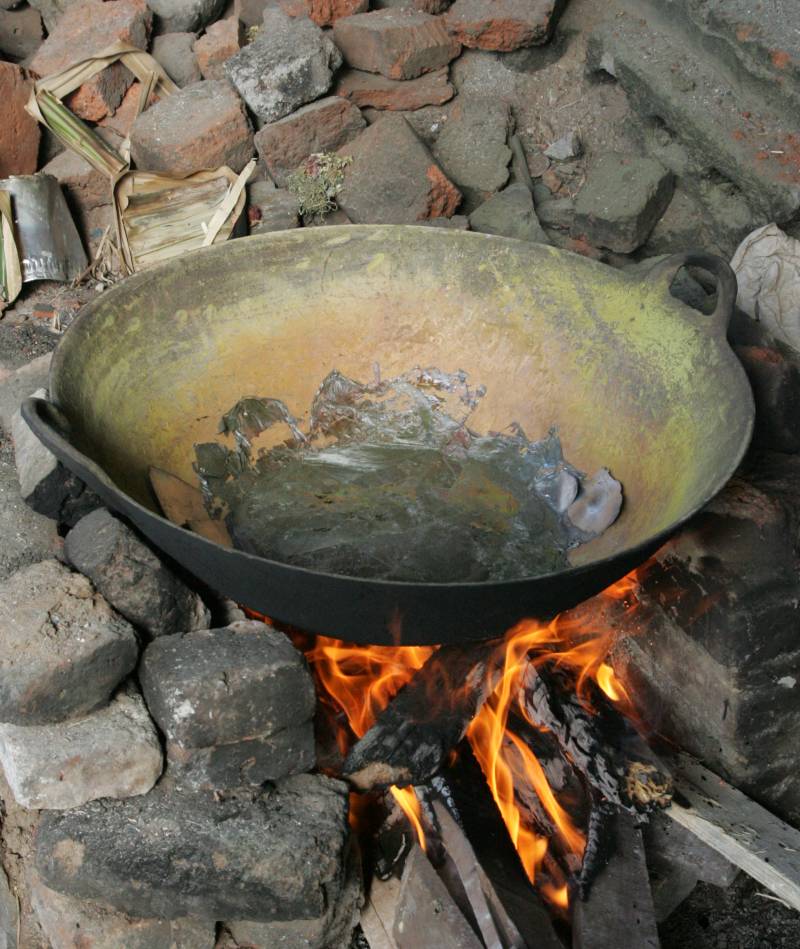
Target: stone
x=322, y=126
x=290, y=62
x=113, y=752
x=621, y=201
x=198, y=128
x=399, y=43
x=510, y=213
x=713, y=652
x=481, y=171
x=332, y=930
x=19, y=132
x=220, y=41
x=85, y=28
x=134, y=579
x=565, y=148
x=174, y=51
x=46, y=486
x=502, y=25
x=271, y=209
x=50, y=10
x=69, y=923
x=9, y=915
x=63, y=650
x=20, y=32
x=393, y=178
x=223, y=685
x=370, y=90
x=557, y=213
x=276, y=853
x=248, y=763
x=324, y=12
x=251, y=12
x=458, y=222
x=184, y=16
x=426, y=6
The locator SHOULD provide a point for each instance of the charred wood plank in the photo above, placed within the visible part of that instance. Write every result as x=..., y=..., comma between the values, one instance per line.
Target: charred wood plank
x=602, y=744
x=619, y=910
x=742, y=831
x=413, y=735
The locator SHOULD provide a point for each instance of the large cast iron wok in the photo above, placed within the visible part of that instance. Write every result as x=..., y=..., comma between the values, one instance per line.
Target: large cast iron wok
x=634, y=380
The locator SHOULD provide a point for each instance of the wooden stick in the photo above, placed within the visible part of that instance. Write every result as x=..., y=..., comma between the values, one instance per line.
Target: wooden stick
x=742, y=831
x=427, y=718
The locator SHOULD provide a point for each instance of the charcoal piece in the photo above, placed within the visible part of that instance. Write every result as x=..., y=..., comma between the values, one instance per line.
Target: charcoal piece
x=134, y=579
x=273, y=854
x=225, y=685
x=390, y=482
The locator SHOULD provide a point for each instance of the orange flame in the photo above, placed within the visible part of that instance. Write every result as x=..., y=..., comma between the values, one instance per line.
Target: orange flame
x=362, y=680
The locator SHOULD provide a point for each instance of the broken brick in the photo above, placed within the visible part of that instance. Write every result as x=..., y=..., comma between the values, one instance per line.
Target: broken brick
x=322, y=126
x=19, y=132
x=84, y=29
x=368, y=90
x=502, y=25
x=220, y=41
x=324, y=12
x=398, y=43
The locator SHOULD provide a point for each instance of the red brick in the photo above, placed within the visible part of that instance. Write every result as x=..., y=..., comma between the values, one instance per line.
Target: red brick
x=398, y=43
x=324, y=12
x=368, y=90
x=502, y=24
x=84, y=29
x=322, y=126
x=393, y=178
x=221, y=41
x=123, y=118
x=19, y=133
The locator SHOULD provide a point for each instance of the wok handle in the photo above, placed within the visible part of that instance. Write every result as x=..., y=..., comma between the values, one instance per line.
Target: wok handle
x=665, y=272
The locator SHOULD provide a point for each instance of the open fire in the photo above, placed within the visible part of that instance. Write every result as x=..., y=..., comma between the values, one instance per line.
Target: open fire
x=360, y=681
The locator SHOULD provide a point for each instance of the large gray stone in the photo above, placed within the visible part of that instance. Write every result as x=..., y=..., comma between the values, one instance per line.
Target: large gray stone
x=290, y=62
x=248, y=763
x=224, y=685
x=63, y=650
x=70, y=923
x=134, y=580
x=184, y=16
x=472, y=147
x=622, y=199
x=332, y=930
x=510, y=213
x=113, y=752
x=276, y=854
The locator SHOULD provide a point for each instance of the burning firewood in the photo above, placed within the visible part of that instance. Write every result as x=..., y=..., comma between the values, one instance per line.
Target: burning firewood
x=602, y=744
x=412, y=737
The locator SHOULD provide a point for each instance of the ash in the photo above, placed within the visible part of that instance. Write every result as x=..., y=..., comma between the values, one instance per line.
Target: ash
x=390, y=482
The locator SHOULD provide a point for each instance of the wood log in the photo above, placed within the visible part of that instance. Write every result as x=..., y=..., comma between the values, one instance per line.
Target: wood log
x=413, y=735
x=619, y=911
x=736, y=827
x=602, y=744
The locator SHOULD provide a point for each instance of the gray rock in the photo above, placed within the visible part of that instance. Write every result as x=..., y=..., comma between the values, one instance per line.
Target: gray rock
x=50, y=10
x=290, y=62
x=63, y=650
x=271, y=208
x=621, y=201
x=45, y=484
x=510, y=213
x=20, y=33
x=17, y=384
x=565, y=148
x=184, y=16
x=9, y=915
x=332, y=930
x=472, y=147
x=224, y=685
x=175, y=53
x=134, y=580
x=458, y=222
x=556, y=212
x=69, y=923
x=242, y=764
x=113, y=752
x=275, y=854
